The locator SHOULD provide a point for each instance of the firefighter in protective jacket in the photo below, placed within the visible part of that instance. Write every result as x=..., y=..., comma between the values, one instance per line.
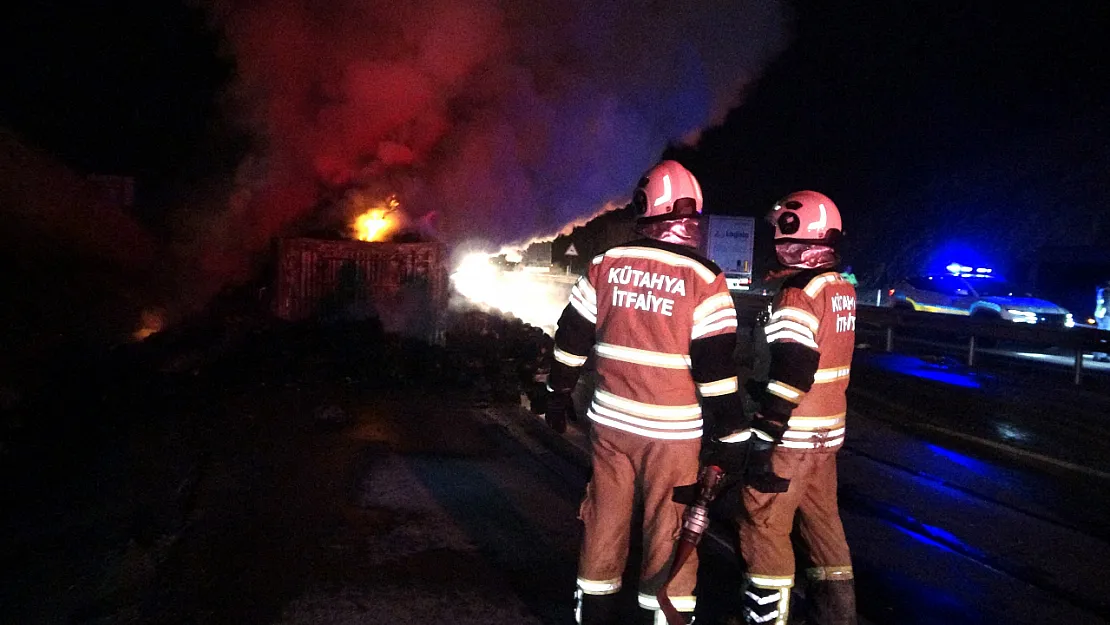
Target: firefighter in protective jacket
x=1102, y=315
x=660, y=322
x=800, y=426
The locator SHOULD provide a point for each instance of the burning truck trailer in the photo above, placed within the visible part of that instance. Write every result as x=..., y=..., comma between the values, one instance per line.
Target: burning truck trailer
x=390, y=271
x=400, y=284
x=386, y=270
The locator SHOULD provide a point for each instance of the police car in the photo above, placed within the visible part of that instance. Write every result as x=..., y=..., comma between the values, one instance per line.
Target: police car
x=975, y=292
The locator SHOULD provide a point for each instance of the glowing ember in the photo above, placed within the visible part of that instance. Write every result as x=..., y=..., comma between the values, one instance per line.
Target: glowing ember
x=151, y=321
x=376, y=222
x=535, y=298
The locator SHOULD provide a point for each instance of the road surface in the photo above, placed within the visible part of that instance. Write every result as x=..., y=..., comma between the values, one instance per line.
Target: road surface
x=251, y=494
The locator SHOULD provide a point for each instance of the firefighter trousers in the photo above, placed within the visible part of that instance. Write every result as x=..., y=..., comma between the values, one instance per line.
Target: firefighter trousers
x=766, y=546
x=629, y=469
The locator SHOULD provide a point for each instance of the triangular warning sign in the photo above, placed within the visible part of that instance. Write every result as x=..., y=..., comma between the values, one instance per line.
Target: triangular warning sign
x=571, y=251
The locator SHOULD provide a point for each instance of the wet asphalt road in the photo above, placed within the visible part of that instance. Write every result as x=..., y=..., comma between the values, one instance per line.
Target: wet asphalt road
x=1066, y=428
x=425, y=509
x=429, y=509
x=418, y=512
x=997, y=481
x=940, y=536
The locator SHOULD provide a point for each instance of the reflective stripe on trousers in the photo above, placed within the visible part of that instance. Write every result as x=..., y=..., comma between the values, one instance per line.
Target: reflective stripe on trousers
x=622, y=461
x=767, y=605
x=765, y=531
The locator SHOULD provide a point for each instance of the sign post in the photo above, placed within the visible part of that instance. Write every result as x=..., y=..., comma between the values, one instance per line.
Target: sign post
x=570, y=253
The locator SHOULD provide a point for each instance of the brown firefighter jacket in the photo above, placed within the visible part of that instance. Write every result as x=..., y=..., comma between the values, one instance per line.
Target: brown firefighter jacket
x=662, y=325
x=811, y=335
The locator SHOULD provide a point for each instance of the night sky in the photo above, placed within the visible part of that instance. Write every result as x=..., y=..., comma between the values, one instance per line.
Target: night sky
x=933, y=124
x=116, y=87
x=940, y=128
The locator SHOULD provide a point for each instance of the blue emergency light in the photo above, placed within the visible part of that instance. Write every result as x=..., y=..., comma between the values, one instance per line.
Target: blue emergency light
x=964, y=271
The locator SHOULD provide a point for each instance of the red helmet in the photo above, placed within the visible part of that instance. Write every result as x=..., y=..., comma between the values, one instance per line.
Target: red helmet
x=806, y=217
x=667, y=191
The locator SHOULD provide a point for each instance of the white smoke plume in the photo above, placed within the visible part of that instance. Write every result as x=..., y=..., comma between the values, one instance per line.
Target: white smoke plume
x=494, y=120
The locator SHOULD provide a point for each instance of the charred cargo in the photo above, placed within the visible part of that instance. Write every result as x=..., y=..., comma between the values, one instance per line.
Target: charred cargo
x=401, y=284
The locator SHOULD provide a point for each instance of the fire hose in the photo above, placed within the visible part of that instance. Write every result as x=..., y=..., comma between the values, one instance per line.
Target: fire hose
x=694, y=523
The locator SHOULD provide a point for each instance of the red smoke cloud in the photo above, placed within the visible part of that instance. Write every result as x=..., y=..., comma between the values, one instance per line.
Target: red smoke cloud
x=504, y=119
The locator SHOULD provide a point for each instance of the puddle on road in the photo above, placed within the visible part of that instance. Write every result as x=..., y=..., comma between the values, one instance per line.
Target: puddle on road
x=403, y=556
x=384, y=481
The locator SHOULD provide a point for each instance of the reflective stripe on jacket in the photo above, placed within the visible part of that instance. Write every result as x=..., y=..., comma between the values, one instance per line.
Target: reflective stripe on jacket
x=654, y=313
x=818, y=313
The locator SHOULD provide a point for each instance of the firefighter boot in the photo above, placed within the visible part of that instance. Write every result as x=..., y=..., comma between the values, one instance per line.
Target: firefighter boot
x=595, y=609
x=766, y=605
x=656, y=617
x=831, y=602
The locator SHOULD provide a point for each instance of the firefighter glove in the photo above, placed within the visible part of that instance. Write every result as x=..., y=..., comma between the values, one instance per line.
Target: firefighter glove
x=756, y=390
x=759, y=473
x=730, y=457
x=559, y=405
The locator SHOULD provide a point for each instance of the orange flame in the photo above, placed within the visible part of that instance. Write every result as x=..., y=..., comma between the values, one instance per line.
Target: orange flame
x=151, y=321
x=377, y=221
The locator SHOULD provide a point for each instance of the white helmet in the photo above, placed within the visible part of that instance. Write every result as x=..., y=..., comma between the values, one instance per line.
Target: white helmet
x=667, y=191
x=806, y=217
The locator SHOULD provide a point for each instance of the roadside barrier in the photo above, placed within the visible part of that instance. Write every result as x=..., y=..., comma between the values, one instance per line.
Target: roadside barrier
x=972, y=332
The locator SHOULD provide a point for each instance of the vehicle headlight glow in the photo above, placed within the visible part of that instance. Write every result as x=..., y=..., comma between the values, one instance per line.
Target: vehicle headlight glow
x=1069, y=321
x=1022, y=316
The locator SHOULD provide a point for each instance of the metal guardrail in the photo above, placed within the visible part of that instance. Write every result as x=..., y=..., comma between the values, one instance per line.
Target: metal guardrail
x=888, y=321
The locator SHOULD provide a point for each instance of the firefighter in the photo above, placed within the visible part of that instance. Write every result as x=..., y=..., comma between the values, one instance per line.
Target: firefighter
x=659, y=322
x=1102, y=315
x=800, y=425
